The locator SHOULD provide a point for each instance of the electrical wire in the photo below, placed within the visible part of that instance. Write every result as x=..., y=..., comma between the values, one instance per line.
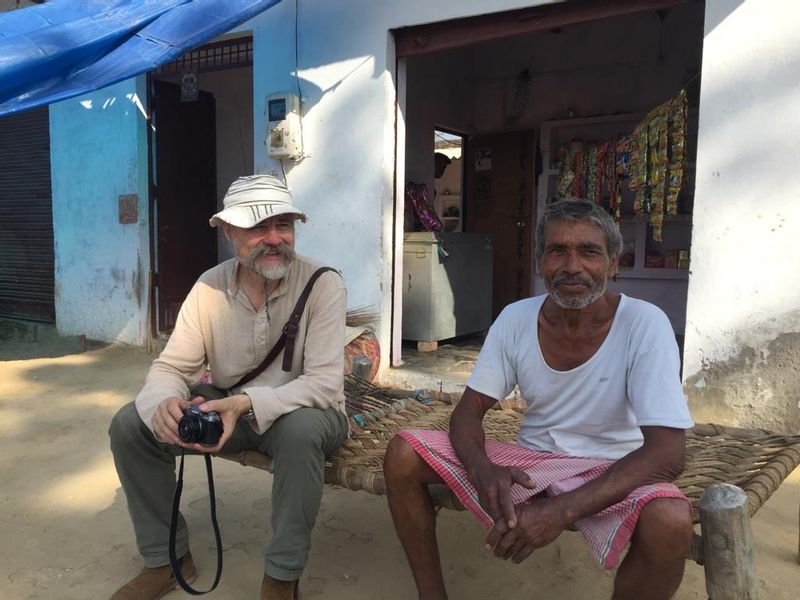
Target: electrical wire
x=441, y=137
x=297, y=70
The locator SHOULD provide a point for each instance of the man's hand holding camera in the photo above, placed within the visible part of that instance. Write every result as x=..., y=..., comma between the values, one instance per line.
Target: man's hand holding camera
x=200, y=425
x=229, y=410
x=166, y=418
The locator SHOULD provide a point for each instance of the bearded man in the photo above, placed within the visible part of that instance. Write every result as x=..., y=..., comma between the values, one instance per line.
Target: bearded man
x=602, y=436
x=228, y=323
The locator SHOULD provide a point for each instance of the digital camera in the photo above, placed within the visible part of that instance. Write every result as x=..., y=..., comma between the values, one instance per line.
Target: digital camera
x=197, y=427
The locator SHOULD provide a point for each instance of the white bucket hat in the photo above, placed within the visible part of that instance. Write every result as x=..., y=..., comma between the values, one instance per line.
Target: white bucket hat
x=252, y=199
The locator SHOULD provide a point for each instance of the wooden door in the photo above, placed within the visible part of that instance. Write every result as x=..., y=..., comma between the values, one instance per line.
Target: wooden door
x=499, y=202
x=186, y=195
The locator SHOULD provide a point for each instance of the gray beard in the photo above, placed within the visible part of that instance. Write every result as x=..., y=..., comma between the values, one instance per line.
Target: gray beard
x=275, y=271
x=593, y=293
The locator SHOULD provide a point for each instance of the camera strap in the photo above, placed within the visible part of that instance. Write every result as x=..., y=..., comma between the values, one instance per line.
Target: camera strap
x=176, y=501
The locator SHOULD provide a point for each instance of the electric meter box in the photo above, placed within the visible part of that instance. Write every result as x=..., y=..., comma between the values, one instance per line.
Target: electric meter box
x=283, y=126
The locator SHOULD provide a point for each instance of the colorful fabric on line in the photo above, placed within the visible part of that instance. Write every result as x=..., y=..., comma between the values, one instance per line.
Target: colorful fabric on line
x=677, y=141
x=657, y=161
x=566, y=173
x=607, y=178
x=417, y=197
x=579, y=185
x=607, y=533
x=592, y=180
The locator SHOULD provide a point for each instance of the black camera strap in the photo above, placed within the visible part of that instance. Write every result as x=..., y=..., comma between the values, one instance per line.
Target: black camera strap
x=176, y=502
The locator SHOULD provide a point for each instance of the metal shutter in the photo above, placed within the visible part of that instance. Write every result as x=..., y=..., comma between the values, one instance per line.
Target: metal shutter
x=26, y=217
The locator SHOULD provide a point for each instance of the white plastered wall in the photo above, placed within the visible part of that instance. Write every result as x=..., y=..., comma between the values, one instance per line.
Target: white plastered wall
x=347, y=77
x=745, y=275
x=743, y=318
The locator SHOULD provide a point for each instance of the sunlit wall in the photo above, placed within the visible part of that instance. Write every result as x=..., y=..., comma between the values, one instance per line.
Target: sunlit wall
x=745, y=280
x=345, y=54
x=98, y=153
x=743, y=318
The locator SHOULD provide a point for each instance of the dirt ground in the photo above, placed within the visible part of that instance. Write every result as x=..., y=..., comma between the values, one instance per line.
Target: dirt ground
x=66, y=533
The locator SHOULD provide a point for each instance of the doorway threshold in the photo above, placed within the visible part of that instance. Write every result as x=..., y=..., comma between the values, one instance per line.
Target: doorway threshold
x=446, y=369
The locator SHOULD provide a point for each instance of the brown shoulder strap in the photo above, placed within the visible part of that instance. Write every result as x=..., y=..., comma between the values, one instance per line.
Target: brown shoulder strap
x=293, y=324
x=286, y=341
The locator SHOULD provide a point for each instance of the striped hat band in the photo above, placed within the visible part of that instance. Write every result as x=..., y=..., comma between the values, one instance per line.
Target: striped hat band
x=254, y=198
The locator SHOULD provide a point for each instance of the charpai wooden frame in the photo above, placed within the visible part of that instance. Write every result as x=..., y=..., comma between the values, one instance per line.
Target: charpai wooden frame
x=730, y=472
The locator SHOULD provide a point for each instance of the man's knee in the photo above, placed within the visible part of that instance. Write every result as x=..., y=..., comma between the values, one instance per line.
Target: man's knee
x=308, y=429
x=401, y=461
x=665, y=527
x=125, y=426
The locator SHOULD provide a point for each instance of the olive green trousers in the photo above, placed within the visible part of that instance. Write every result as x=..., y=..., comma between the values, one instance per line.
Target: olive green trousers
x=298, y=443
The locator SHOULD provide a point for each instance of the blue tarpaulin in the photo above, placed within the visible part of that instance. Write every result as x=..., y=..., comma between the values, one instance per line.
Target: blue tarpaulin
x=66, y=48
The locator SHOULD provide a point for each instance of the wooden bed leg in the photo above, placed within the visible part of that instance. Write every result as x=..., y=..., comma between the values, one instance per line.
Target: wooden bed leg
x=727, y=543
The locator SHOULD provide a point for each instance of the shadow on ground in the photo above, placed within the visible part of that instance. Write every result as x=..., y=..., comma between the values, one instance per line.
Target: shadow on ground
x=24, y=340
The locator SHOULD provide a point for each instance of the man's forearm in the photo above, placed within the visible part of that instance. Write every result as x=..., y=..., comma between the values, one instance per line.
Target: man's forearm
x=660, y=459
x=466, y=430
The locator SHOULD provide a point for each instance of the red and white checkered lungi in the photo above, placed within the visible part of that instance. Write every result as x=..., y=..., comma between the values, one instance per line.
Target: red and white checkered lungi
x=607, y=533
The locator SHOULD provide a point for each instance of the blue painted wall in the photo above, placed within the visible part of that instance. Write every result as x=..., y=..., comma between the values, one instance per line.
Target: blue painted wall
x=98, y=152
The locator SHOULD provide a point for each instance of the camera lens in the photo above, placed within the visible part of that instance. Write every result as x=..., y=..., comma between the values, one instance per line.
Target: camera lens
x=190, y=428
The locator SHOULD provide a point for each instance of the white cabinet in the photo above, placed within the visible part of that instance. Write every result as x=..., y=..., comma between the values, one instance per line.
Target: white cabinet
x=665, y=286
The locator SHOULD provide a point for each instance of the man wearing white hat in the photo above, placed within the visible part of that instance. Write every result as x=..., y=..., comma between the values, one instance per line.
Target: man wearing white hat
x=292, y=410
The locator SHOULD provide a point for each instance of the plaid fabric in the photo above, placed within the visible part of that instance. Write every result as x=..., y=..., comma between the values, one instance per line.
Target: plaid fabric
x=607, y=533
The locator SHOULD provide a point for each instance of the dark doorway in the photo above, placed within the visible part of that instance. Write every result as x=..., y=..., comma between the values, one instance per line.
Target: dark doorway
x=185, y=195
x=500, y=204
x=26, y=218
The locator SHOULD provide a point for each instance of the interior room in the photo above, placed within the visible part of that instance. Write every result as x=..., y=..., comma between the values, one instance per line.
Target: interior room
x=531, y=113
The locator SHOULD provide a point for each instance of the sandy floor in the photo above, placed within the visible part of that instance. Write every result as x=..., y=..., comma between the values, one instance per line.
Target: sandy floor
x=66, y=534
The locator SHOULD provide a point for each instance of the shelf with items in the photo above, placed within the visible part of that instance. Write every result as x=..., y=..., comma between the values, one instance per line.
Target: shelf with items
x=657, y=271
x=645, y=273
x=448, y=207
x=582, y=143
x=640, y=253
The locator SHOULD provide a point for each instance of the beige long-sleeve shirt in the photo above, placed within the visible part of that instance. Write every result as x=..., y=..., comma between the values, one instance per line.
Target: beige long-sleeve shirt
x=217, y=326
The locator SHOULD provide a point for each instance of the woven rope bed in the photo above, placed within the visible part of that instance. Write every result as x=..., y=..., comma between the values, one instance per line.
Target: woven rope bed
x=754, y=460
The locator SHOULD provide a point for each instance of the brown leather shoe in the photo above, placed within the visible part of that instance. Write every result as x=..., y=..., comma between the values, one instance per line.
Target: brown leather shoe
x=275, y=589
x=154, y=583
